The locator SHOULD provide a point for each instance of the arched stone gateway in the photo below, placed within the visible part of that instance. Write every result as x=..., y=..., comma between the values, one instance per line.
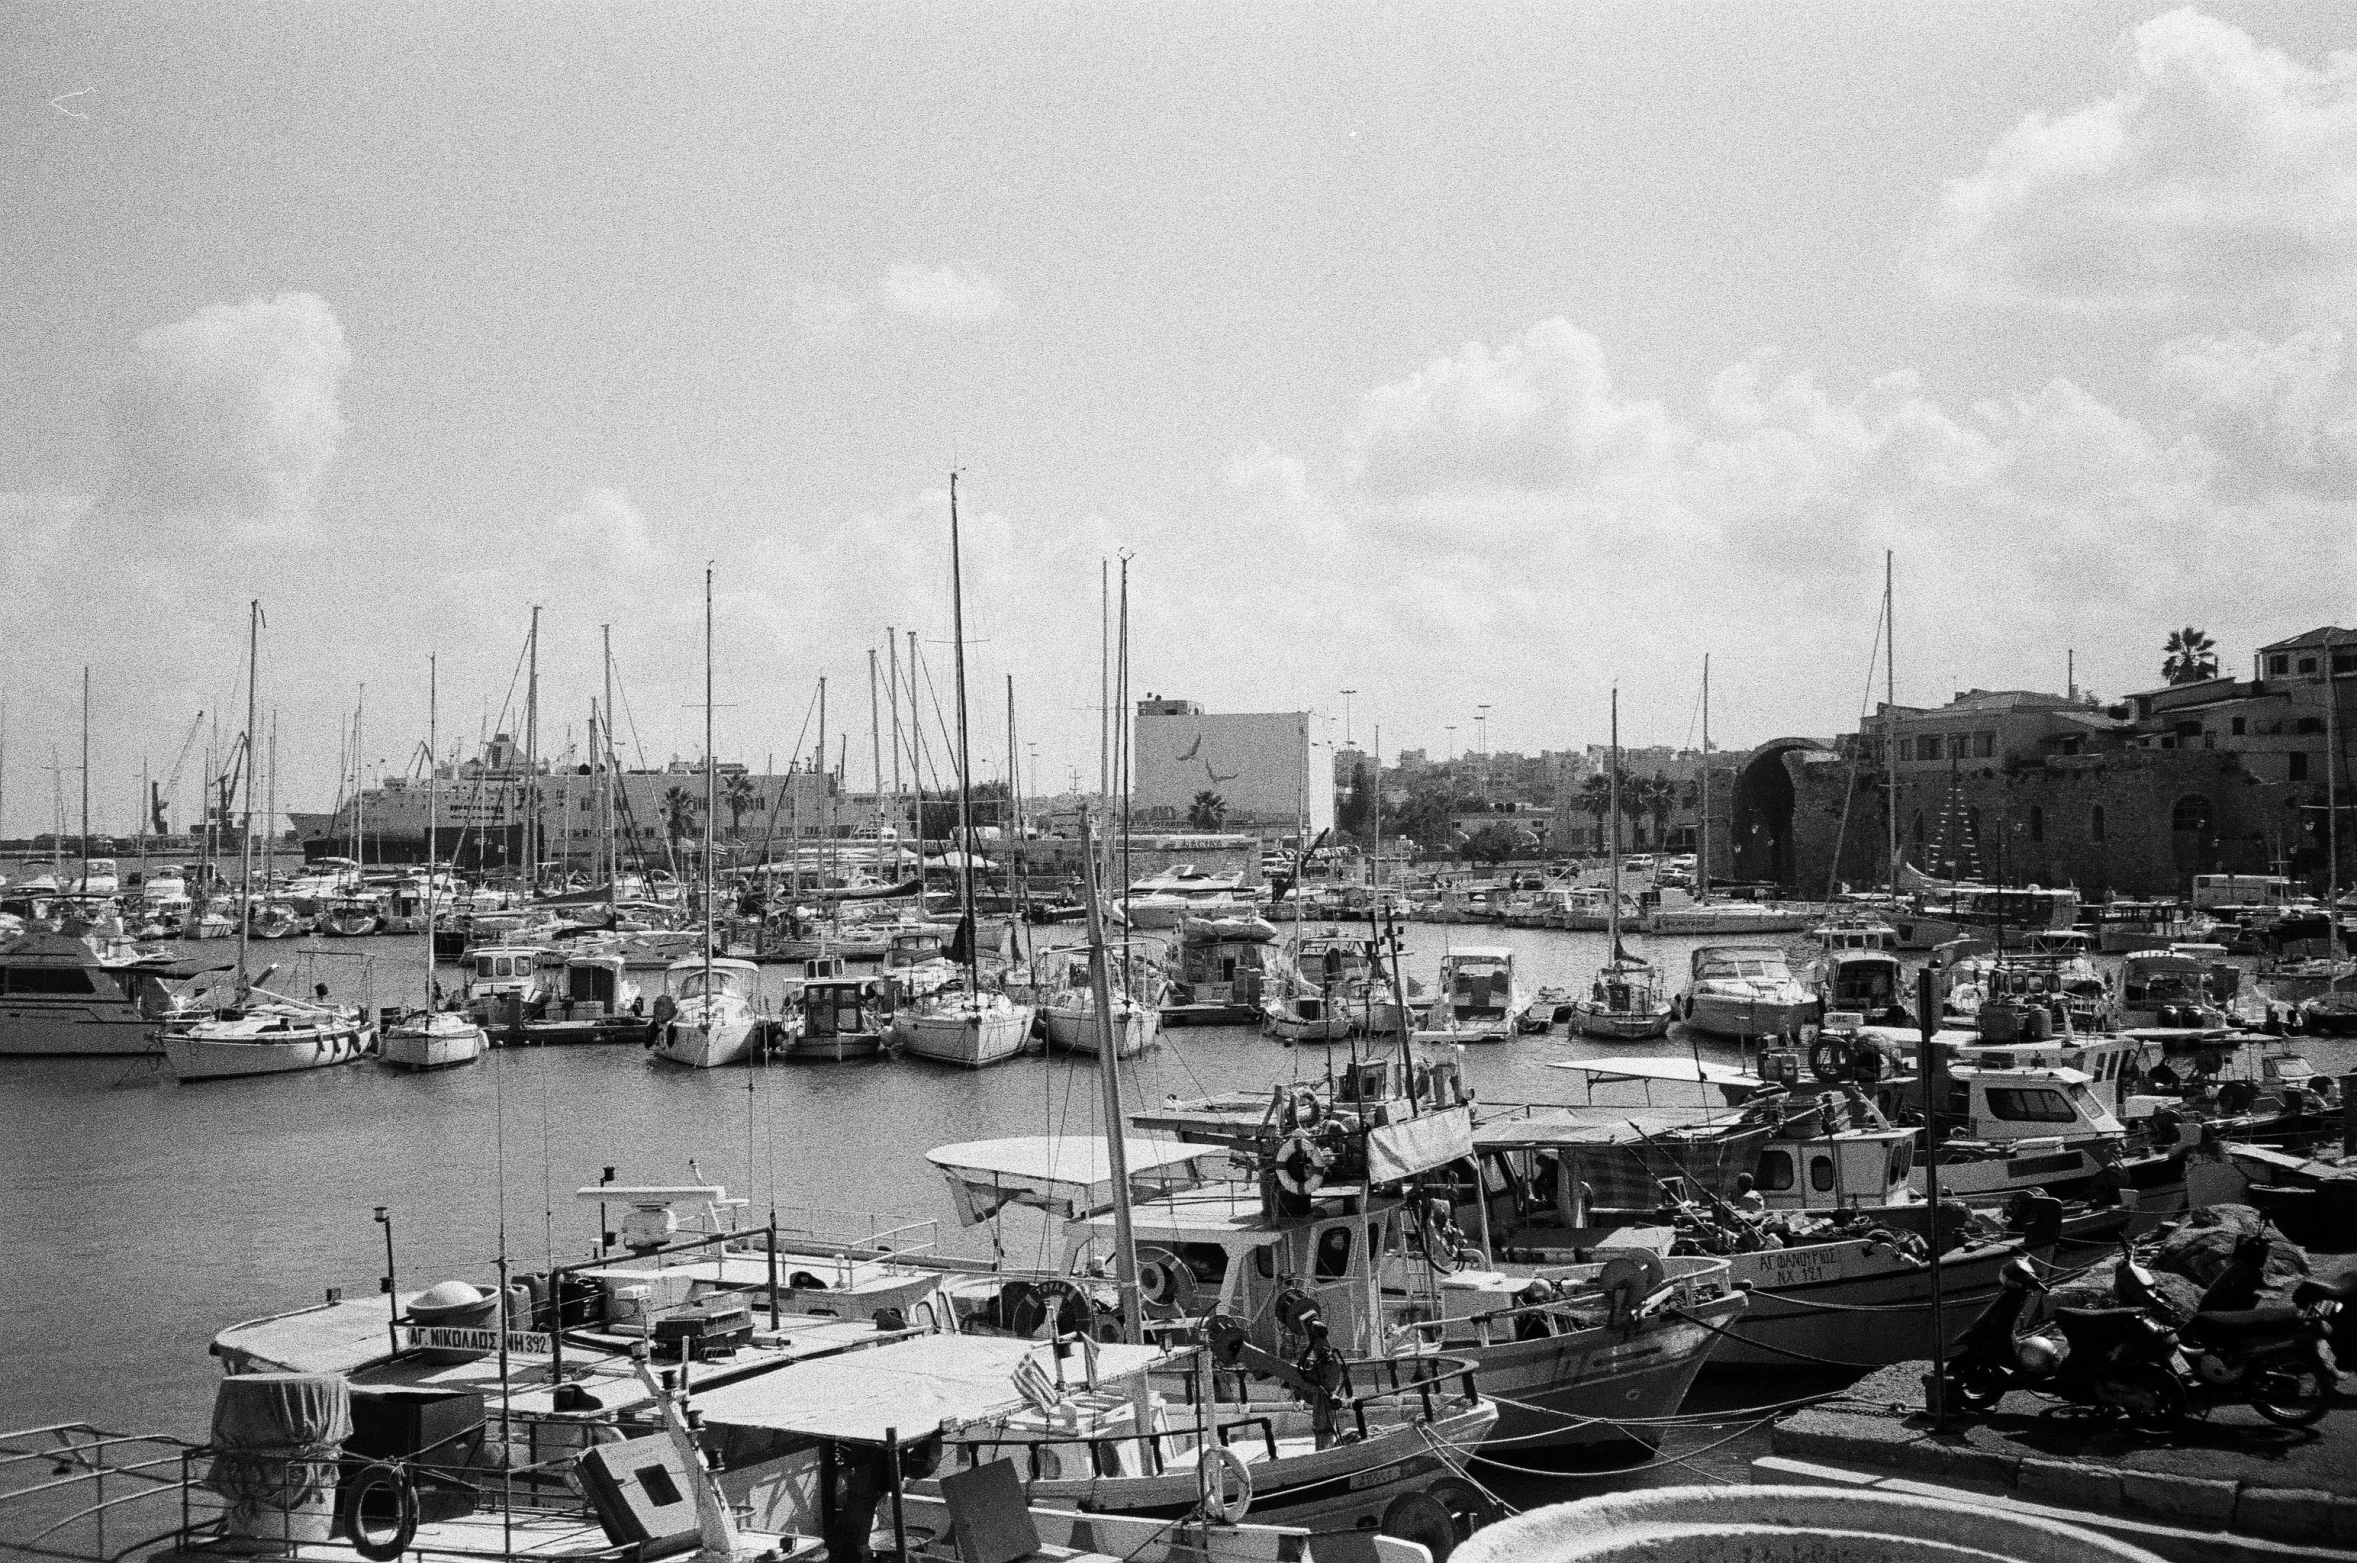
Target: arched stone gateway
x=1761, y=812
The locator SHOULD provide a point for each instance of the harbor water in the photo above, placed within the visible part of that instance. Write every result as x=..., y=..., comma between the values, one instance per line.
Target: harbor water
x=144, y=1215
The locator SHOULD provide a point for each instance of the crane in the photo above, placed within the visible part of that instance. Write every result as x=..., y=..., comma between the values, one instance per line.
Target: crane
x=160, y=798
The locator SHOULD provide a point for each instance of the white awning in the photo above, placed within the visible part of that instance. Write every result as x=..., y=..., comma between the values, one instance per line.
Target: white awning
x=1691, y=1070
x=912, y=1387
x=1064, y=1175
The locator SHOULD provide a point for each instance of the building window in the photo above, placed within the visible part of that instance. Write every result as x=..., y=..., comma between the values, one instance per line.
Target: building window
x=2095, y=824
x=2037, y=823
x=1919, y=827
x=2279, y=663
x=1983, y=745
x=2344, y=661
x=1928, y=747
x=1972, y=825
x=1906, y=748
x=2192, y=813
x=2307, y=664
x=2299, y=766
x=2309, y=724
x=2241, y=726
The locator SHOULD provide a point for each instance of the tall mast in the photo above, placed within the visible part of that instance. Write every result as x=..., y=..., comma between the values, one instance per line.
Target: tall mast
x=532, y=760
x=1104, y=680
x=433, y=796
x=826, y=787
x=957, y=611
x=245, y=920
x=605, y=771
x=2332, y=807
x=85, y=886
x=359, y=784
x=1702, y=860
x=270, y=824
x=711, y=795
x=1890, y=720
x=892, y=693
x=1125, y=1242
x=876, y=751
x=1612, y=897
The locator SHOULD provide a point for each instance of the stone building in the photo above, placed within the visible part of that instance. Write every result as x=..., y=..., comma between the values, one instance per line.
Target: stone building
x=2218, y=775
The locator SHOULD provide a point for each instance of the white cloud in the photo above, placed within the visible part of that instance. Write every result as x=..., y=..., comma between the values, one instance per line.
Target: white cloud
x=231, y=414
x=822, y=309
x=603, y=530
x=941, y=293
x=2221, y=172
x=2282, y=413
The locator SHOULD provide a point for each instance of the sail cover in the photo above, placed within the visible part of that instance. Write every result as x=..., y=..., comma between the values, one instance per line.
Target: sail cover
x=1064, y=1175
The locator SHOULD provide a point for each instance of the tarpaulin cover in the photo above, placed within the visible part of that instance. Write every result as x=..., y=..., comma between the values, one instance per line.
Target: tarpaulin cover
x=1406, y=1146
x=276, y=1437
x=1064, y=1175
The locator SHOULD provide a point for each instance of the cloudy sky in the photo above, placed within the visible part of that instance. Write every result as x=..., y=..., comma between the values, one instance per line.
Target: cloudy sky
x=1448, y=354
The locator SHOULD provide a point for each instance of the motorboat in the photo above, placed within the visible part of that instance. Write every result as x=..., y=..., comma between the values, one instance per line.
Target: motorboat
x=2122, y=925
x=593, y=1000
x=431, y=1039
x=1478, y=999
x=1867, y=980
x=504, y=983
x=99, y=876
x=1745, y=993
x=706, y=1018
x=1219, y=972
x=833, y=1017
x=1184, y=891
x=59, y=998
x=1671, y=911
x=2171, y=998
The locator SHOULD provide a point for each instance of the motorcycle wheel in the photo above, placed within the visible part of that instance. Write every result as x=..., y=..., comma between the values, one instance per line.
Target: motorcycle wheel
x=2293, y=1394
x=1976, y=1387
x=2149, y=1396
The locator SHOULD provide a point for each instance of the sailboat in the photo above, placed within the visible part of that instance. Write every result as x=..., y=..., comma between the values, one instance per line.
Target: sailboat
x=1625, y=1004
x=706, y=1018
x=434, y=1037
x=964, y=1023
x=259, y=1032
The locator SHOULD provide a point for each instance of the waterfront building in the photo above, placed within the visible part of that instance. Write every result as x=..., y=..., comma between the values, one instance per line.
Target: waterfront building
x=1228, y=770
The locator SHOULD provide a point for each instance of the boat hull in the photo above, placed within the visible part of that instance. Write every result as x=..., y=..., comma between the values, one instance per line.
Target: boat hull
x=841, y=1048
x=431, y=1047
x=84, y=1030
x=965, y=1038
x=1609, y=1025
x=195, y=1057
x=1076, y=1030
x=705, y=1047
x=1744, y=1019
x=1799, y=1315
x=1563, y=1391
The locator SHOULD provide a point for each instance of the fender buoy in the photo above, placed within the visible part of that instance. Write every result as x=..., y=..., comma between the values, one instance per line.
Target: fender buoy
x=383, y=1546
x=1053, y=1305
x=1227, y=1485
x=665, y=1008
x=1301, y=1166
x=1165, y=1285
x=1307, y=1114
x=2235, y=1096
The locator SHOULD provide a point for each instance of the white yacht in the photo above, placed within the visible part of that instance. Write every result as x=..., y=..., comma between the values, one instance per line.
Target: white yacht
x=1745, y=992
x=1163, y=900
x=1480, y=998
x=707, y=1018
x=58, y=998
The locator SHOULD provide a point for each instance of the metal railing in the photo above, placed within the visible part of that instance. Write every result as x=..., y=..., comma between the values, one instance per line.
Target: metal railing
x=70, y=1490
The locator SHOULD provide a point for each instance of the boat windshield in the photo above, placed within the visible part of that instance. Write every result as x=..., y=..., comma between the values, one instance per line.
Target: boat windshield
x=727, y=981
x=1761, y=966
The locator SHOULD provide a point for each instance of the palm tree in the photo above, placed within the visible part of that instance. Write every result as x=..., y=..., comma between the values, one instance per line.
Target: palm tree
x=738, y=795
x=1661, y=797
x=1208, y=809
x=2191, y=658
x=1596, y=798
x=679, y=807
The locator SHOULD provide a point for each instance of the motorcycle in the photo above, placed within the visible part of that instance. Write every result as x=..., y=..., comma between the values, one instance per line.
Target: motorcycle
x=2115, y=1358
x=2276, y=1358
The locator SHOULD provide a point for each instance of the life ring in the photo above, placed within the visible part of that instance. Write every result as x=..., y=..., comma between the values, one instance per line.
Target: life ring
x=1219, y=1469
x=1828, y=1059
x=1300, y=1166
x=382, y=1547
x=1032, y=1312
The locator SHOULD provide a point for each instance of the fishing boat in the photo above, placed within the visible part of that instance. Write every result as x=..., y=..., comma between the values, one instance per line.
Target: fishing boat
x=1219, y=972
x=593, y=1000
x=1745, y=993
x=833, y=1017
x=504, y=983
x=1479, y=998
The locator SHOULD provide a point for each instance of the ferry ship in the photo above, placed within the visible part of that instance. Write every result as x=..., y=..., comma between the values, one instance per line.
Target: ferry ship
x=481, y=807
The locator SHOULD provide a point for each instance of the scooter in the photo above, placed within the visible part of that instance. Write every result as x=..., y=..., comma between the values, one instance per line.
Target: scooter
x=2115, y=1358
x=2278, y=1359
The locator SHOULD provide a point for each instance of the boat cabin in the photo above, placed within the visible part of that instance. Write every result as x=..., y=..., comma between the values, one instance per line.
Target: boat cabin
x=2106, y=1061
x=2164, y=989
x=1739, y=962
x=504, y=969
x=911, y=947
x=598, y=980
x=1861, y=979
x=727, y=977
x=835, y=1005
x=2027, y=1103
x=1478, y=982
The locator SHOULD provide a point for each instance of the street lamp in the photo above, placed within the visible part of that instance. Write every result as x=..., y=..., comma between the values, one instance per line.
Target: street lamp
x=1450, y=729
x=1481, y=742
x=1346, y=694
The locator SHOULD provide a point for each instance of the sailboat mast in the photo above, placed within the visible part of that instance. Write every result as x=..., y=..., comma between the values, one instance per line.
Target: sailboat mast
x=2332, y=807
x=605, y=772
x=433, y=797
x=1125, y=1241
x=711, y=797
x=245, y=921
x=892, y=697
x=876, y=750
x=1612, y=897
x=359, y=785
x=85, y=885
x=957, y=612
x=826, y=782
x=532, y=759
x=1890, y=719
x=1702, y=859
x=1104, y=680
x=270, y=824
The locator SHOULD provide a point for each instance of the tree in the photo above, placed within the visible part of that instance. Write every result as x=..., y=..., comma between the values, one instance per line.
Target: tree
x=1492, y=844
x=1358, y=806
x=2192, y=657
x=1424, y=818
x=737, y=793
x=1208, y=809
x=679, y=812
x=1661, y=796
x=1596, y=798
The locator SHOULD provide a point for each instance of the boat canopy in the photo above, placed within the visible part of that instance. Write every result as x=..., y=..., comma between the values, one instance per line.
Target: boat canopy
x=1064, y=1175
x=1691, y=1070
x=1595, y=1125
x=911, y=1388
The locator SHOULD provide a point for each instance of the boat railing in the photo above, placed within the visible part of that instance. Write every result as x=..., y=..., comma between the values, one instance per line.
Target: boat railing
x=70, y=1490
